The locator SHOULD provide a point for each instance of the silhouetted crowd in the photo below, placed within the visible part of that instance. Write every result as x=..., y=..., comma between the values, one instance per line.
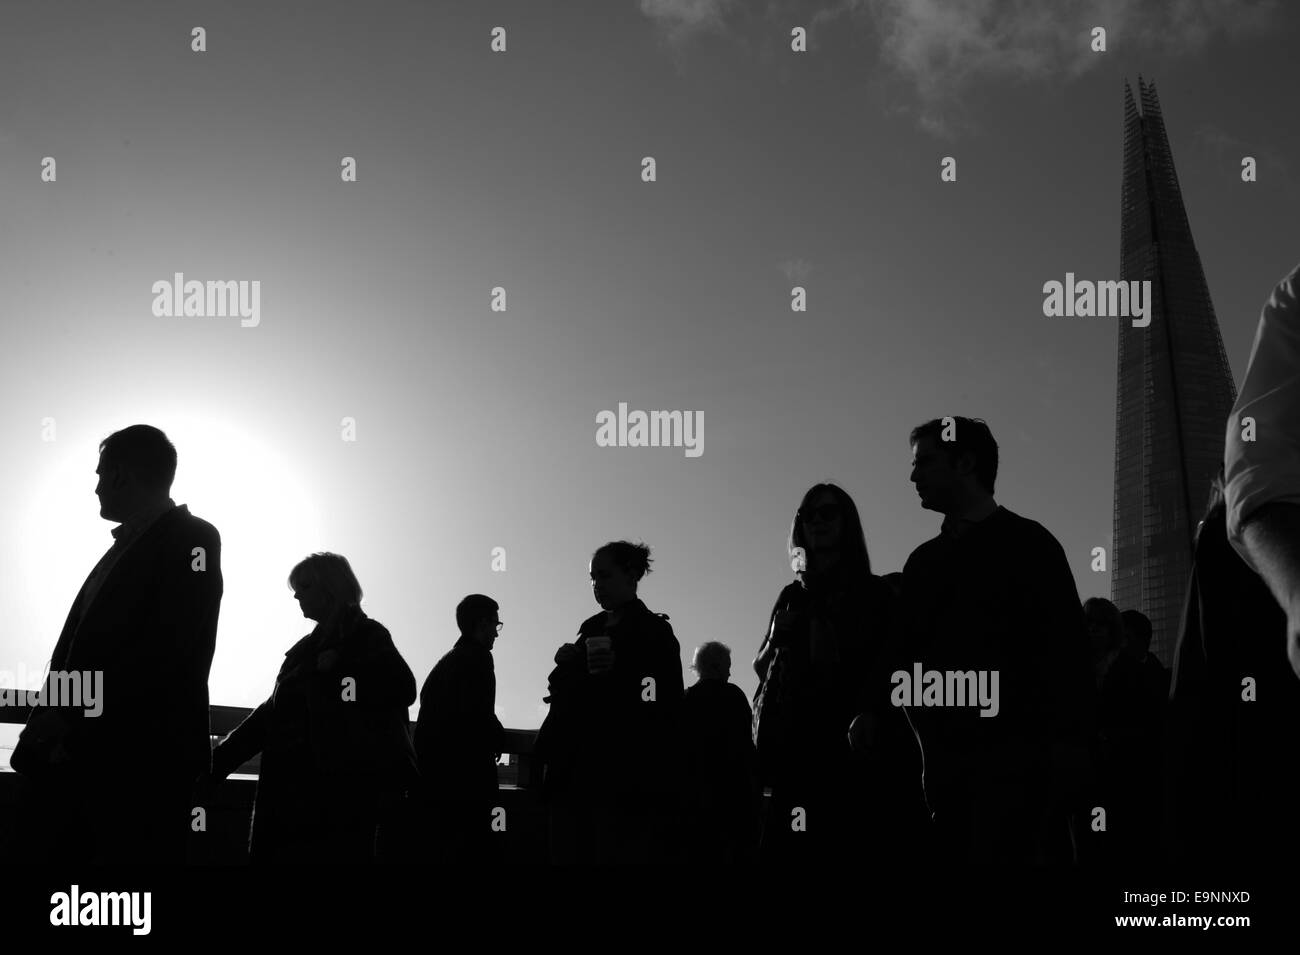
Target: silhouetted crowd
x=866, y=739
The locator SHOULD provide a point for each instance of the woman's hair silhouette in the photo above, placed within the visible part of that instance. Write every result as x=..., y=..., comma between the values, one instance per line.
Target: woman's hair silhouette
x=852, y=540
x=330, y=572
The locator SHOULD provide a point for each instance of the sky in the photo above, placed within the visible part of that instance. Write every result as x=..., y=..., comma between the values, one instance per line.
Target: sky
x=475, y=428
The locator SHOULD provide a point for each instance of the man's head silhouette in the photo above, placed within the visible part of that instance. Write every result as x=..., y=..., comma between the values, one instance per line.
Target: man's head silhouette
x=136, y=469
x=1137, y=634
x=951, y=475
x=477, y=619
x=712, y=661
x=1105, y=626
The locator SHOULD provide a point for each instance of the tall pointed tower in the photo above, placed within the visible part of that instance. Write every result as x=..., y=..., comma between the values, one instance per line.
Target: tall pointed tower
x=1175, y=387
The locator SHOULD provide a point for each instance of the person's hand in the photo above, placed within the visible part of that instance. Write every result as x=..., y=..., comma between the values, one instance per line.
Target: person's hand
x=599, y=659
x=568, y=653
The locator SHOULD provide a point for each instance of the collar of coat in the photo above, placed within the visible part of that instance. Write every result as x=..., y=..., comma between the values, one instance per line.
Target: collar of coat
x=470, y=645
x=633, y=609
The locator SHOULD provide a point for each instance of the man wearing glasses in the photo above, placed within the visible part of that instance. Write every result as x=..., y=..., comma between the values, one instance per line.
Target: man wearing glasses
x=458, y=739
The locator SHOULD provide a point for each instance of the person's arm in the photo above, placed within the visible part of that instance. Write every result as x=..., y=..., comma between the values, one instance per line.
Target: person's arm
x=884, y=635
x=189, y=608
x=1064, y=676
x=1261, y=457
x=885, y=653
x=743, y=718
x=167, y=648
x=671, y=678
x=1063, y=690
x=242, y=743
x=565, y=683
x=477, y=728
x=766, y=652
x=1271, y=535
x=780, y=624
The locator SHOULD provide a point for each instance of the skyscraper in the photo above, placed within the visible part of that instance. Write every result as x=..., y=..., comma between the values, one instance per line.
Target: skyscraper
x=1175, y=387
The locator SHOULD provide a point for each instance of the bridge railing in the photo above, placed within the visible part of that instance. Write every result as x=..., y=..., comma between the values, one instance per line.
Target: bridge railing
x=517, y=768
x=224, y=838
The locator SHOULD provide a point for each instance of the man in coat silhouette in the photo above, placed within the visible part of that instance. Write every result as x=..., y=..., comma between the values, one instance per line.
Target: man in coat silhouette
x=115, y=787
x=993, y=593
x=458, y=739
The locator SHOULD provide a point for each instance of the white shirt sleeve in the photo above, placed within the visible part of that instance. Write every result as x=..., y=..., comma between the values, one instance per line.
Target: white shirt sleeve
x=1267, y=469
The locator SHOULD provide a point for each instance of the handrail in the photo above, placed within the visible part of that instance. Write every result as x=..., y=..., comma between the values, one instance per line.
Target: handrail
x=518, y=744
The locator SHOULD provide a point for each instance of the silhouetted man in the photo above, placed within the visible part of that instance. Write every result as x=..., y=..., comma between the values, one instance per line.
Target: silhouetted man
x=994, y=593
x=458, y=739
x=722, y=764
x=1135, y=694
x=1154, y=676
x=116, y=787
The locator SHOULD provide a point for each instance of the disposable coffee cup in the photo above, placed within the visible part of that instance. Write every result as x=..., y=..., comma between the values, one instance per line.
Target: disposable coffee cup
x=595, y=645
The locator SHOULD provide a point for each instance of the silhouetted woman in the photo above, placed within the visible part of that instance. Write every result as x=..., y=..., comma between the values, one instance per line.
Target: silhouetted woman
x=336, y=750
x=610, y=743
x=823, y=668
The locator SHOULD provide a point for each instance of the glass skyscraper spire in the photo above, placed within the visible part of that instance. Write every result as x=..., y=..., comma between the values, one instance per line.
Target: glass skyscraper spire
x=1174, y=390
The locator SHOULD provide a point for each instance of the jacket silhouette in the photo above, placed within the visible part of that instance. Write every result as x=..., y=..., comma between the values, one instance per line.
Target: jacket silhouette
x=613, y=759
x=722, y=772
x=457, y=740
x=835, y=666
x=150, y=629
x=336, y=750
x=457, y=734
x=1001, y=597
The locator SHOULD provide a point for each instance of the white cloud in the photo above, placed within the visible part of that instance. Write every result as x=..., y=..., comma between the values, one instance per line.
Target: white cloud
x=683, y=18
x=940, y=48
